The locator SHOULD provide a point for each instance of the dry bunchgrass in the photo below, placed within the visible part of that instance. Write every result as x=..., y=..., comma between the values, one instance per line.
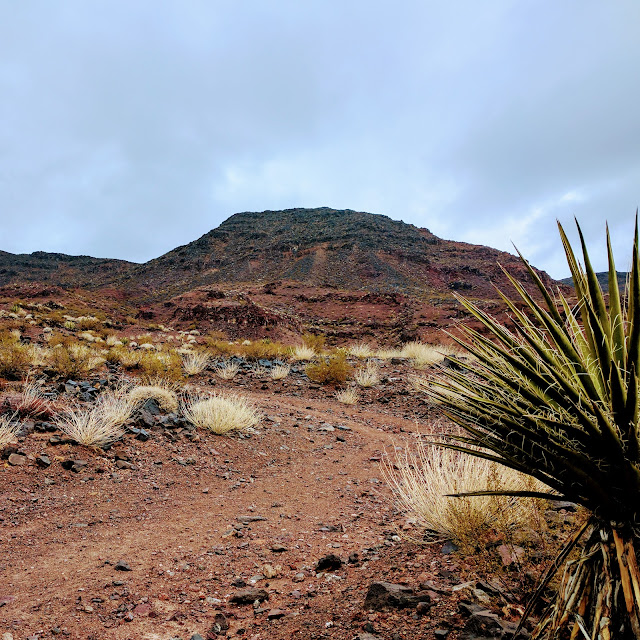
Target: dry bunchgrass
x=424, y=477
x=360, y=350
x=348, y=396
x=195, y=362
x=220, y=413
x=422, y=354
x=115, y=406
x=31, y=401
x=368, y=375
x=162, y=392
x=228, y=370
x=280, y=371
x=9, y=428
x=90, y=428
x=71, y=359
x=14, y=356
x=303, y=352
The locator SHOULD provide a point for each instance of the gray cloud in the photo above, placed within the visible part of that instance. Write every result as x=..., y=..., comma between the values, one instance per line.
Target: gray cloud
x=129, y=128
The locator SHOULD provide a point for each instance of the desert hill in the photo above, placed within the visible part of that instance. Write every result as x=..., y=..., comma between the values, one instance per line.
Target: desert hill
x=344, y=273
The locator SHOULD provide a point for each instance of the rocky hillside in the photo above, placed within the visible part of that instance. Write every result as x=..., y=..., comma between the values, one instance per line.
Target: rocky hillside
x=323, y=247
x=58, y=269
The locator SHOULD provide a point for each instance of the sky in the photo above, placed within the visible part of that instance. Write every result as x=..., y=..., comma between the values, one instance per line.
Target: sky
x=129, y=127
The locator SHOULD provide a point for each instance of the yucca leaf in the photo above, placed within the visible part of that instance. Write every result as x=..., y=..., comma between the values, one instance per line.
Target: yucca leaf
x=615, y=311
x=513, y=494
x=633, y=300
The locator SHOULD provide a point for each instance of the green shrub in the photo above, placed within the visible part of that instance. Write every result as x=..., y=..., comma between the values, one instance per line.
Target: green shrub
x=332, y=370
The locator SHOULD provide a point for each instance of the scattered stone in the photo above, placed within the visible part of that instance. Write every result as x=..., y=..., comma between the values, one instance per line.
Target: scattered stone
x=196, y=636
x=354, y=558
x=299, y=577
x=249, y=519
x=123, y=464
x=43, y=461
x=239, y=582
x=276, y=614
x=485, y=625
x=220, y=623
x=383, y=595
x=449, y=547
x=269, y=571
x=278, y=548
x=17, y=459
x=249, y=596
x=330, y=562
x=510, y=554
x=441, y=634
x=121, y=565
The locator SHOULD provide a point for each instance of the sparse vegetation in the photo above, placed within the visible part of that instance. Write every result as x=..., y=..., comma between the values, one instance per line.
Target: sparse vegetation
x=227, y=370
x=368, y=375
x=280, y=371
x=195, y=362
x=330, y=370
x=360, y=350
x=302, y=352
x=9, y=428
x=90, y=428
x=221, y=413
x=161, y=391
x=348, y=396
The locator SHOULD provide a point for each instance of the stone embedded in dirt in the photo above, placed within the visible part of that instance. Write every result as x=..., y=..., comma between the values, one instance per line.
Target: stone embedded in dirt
x=367, y=636
x=276, y=614
x=278, y=548
x=510, y=554
x=17, y=459
x=249, y=519
x=299, y=577
x=220, y=623
x=43, y=461
x=121, y=565
x=239, y=582
x=330, y=562
x=383, y=595
x=8, y=450
x=143, y=609
x=486, y=625
x=196, y=636
x=123, y=464
x=6, y=600
x=249, y=596
x=441, y=634
x=269, y=571
x=449, y=547
x=354, y=558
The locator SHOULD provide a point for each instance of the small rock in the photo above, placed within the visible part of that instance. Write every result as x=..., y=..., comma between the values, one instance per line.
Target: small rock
x=382, y=595
x=330, y=562
x=123, y=464
x=43, y=461
x=441, y=634
x=249, y=596
x=121, y=565
x=510, y=554
x=276, y=614
x=299, y=577
x=448, y=547
x=249, y=519
x=17, y=459
x=269, y=571
x=196, y=636
x=278, y=548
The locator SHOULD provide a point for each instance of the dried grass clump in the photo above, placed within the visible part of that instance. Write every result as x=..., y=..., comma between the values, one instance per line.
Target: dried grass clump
x=332, y=370
x=8, y=429
x=360, y=350
x=115, y=406
x=303, y=352
x=14, y=356
x=280, y=371
x=220, y=414
x=348, y=396
x=162, y=392
x=368, y=376
x=424, y=478
x=195, y=362
x=91, y=428
x=228, y=370
x=31, y=401
x=422, y=354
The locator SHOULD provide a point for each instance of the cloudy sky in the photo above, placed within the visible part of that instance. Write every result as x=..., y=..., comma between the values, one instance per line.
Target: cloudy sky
x=128, y=127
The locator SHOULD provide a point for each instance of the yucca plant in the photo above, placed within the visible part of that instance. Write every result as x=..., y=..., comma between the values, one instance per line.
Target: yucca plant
x=558, y=398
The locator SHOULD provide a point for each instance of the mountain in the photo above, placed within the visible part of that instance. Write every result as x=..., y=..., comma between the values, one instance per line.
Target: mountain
x=322, y=247
x=346, y=274
x=58, y=269
x=603, y=279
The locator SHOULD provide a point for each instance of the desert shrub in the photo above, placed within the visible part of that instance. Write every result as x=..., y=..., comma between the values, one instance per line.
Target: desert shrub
x=425, y=477
x=302, y=352
x=314, y=341
x=70, y=359
x=195, y=362
x=85, y=323
x=31, y=401
x=331, y=370
x=113, y=341
x=360, y=350
x=115, y=406
x=14, y=357
x=91, y=428
x=163, y=364
x=387, y=354
x=9, y=428
x=227, y=370
x=221, y=413
x=161, y=391
x=123, y=356
x=261, y=349
x=368, y=375
x=280, y=371
x=218, y=346
x=347, y=396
